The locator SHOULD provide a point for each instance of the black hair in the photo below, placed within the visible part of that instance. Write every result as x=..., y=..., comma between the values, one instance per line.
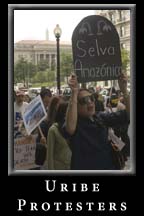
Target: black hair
x=52, y=110
x=60, y=115
x=45, y=92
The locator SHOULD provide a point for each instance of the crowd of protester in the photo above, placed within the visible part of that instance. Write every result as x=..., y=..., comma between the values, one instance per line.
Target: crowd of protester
x=75, y=133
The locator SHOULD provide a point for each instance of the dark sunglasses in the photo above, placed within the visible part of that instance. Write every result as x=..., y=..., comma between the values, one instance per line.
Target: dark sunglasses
x=86, y=100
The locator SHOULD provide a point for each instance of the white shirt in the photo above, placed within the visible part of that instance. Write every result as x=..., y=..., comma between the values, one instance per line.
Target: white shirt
x=18, y=110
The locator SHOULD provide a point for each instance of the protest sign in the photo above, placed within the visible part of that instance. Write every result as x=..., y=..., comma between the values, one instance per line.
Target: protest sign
x=96, y=50
x=24, y=152
x=34, y=114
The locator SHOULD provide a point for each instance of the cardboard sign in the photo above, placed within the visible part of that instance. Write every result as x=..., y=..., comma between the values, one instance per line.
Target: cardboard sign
x=96, y=50
x=34, y=114
x=24, y=153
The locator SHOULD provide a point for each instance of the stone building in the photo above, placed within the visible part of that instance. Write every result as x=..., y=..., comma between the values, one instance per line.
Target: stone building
x=36, y=50
x=121, y=20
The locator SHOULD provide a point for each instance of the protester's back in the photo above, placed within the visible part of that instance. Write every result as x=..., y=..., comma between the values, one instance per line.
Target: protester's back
x=58, y=152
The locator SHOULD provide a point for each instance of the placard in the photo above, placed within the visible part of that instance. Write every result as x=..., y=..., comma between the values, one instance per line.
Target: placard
x=96, y=50
x=24, y=153
x=34, y=114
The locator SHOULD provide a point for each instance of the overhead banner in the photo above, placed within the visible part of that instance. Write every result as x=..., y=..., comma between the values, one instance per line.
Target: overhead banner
x=96, y=50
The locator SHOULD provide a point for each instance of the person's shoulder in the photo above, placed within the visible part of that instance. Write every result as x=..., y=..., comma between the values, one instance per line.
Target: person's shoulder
x=53, y=127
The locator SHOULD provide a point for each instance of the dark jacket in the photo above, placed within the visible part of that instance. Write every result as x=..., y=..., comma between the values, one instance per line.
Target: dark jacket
x=89, y=143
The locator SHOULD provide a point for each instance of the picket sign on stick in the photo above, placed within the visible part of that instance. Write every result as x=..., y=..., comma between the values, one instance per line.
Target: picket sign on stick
x=34, y=114
x=43, y=138
x=41, y=133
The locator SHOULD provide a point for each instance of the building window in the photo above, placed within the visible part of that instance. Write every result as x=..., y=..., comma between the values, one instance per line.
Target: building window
x=120, y=15
x=122, y=31
x=41, y=57
x=53, y=58
x=47, y=57
x=111, y=17
x=127, y=15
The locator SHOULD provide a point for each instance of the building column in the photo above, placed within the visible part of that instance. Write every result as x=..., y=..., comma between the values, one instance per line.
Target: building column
x=38, y=58
x=50, y=61
x=35, y=58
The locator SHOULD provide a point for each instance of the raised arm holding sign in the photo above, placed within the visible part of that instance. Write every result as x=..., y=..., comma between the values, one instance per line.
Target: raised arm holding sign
x=96, y=56
x=87, y=130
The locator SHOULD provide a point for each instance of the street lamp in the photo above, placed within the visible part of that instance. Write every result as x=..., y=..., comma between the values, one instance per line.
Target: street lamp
x=57, y=33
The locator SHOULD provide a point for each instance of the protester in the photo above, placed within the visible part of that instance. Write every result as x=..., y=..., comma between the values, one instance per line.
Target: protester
x=87, y=132
x=46, y=96
x=19, y=107
x=98, y=103
x=44, y=128
x=122, y=132
x=58, y=151
x=27, y=98
x=45, y=125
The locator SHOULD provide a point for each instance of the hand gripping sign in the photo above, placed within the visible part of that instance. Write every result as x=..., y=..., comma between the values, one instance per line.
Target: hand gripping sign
x=96, y=50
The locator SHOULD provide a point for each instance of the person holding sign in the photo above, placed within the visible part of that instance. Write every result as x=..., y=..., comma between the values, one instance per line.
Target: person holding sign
x=19, y=108
x=88, y=132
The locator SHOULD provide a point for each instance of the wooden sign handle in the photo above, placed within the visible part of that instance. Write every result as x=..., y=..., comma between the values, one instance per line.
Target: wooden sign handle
x=41, y=133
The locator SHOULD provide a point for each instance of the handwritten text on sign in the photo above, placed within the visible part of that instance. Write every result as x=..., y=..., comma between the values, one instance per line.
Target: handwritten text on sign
x=24, y=153
x=96, y=50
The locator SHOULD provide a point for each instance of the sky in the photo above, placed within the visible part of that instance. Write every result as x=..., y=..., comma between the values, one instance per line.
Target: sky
x=32, y=24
